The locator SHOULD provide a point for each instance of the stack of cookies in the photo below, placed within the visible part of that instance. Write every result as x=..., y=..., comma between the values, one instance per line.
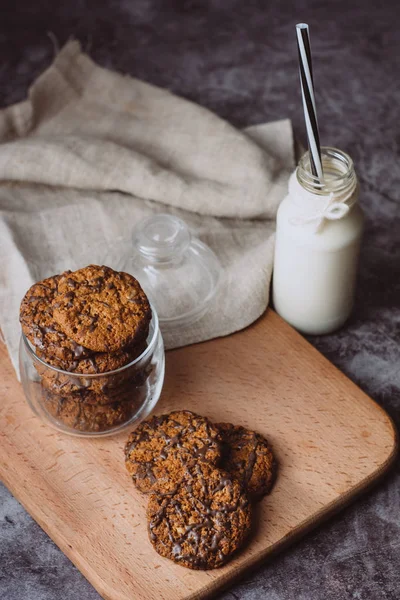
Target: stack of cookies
x=88, y=322
x=202, y=478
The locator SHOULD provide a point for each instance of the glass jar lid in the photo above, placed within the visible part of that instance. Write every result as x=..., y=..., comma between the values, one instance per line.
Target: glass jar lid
x=178, y=272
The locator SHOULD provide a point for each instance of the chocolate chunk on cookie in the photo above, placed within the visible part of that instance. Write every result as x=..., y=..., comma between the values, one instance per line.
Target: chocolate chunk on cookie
x=40, y=327
x=247, y=456
x=157, y=452
x=101, y=309
x=202, y=521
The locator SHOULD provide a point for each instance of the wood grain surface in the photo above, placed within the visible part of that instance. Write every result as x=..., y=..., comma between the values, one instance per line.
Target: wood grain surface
x=331, y=440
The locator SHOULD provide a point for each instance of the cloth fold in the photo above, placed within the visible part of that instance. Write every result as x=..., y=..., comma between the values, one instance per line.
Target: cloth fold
x=91, y=152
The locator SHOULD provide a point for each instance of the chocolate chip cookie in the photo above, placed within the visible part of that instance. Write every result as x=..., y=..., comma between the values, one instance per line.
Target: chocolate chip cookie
x=80, y=390
x=157, y=451
x=94, y=364
x=101, y=309
x=202, y=521
x=40, y=327
x=247, y=456
x=83, y=416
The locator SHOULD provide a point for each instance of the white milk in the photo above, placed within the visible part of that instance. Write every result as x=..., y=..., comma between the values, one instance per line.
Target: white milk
x=319, y=229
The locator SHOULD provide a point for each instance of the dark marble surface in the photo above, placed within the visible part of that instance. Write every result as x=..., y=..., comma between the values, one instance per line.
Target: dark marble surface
x=239, y=59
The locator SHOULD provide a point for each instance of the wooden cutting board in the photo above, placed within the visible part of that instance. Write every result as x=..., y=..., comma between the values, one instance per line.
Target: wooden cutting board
x=331, y=440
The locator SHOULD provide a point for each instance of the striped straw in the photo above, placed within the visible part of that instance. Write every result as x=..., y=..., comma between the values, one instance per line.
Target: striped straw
x=307, y=92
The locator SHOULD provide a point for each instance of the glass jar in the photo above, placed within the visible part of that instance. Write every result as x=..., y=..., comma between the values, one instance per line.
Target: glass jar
x=318, y=235
x=94, y=404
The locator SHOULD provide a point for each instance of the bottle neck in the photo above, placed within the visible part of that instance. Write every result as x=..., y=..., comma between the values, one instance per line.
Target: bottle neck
x=340, y=180
x=315, y=202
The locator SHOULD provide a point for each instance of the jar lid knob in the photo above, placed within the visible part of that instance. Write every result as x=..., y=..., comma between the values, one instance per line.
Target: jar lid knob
x=162, y=237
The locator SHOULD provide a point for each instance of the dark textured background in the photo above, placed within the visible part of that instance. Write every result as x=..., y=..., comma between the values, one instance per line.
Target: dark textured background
x=238, y=58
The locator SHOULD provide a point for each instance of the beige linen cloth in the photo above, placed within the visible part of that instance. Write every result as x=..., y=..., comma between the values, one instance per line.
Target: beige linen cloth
x=91, y=152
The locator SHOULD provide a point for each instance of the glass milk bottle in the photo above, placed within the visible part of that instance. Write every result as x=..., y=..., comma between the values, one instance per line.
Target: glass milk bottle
x=318, y=235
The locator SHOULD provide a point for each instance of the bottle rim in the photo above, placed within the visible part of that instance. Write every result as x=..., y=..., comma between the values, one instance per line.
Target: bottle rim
x=337, y=163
